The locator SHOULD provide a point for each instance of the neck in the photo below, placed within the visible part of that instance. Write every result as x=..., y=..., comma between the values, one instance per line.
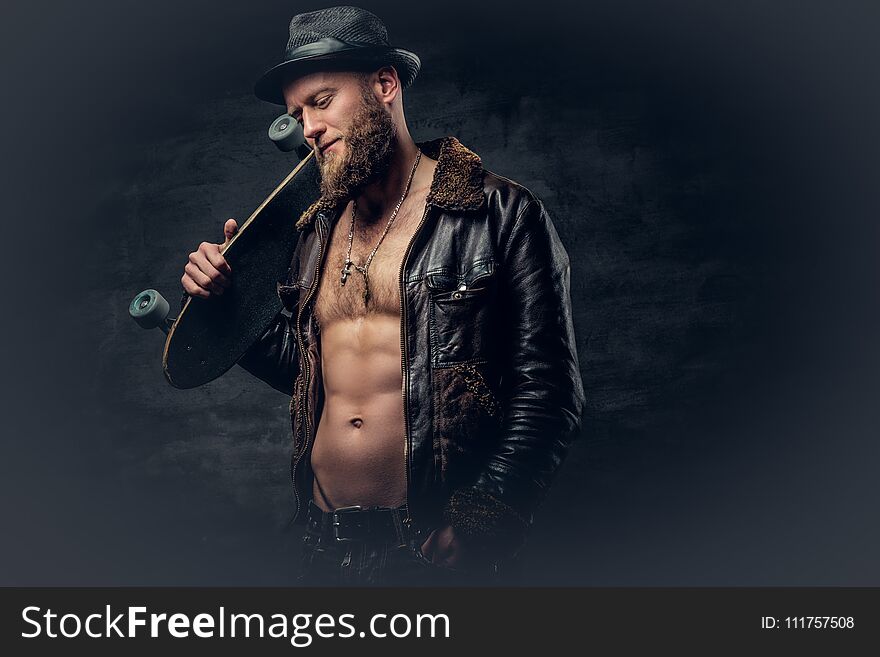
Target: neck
x=379, y=198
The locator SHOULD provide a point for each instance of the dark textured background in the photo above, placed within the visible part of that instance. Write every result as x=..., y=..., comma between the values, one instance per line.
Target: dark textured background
x=711, y=167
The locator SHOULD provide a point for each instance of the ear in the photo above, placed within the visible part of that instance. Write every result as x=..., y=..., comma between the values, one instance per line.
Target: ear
x=386, y=84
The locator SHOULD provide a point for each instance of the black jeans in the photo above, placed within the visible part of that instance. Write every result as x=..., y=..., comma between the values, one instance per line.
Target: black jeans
x=392, y=560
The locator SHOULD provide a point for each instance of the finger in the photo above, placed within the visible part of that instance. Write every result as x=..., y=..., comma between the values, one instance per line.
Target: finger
x=219, y=262
x=230, y=228
x=446, y=537
x=202, y=260
x=452, y=561
x=427, y=548
x=192, y=289
x=442, y=555
x=201, y=279
x=446, y=545
x=439, y=555
x=451, y=555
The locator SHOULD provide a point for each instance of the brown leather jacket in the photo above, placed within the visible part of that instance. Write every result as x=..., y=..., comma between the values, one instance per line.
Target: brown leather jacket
x=492, y=391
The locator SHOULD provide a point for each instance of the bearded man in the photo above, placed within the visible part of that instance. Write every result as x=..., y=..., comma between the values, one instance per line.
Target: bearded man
x=426, y=338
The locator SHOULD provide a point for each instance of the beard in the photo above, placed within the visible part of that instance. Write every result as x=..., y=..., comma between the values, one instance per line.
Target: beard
x=369, y=146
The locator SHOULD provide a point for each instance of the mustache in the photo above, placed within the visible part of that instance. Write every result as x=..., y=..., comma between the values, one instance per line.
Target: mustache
x=369, y=144
x=321, y=144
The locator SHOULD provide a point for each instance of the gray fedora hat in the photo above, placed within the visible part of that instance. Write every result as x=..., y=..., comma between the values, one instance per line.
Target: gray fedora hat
x=336, y=38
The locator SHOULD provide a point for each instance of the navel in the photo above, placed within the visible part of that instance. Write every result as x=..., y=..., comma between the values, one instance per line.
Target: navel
x=357, y=422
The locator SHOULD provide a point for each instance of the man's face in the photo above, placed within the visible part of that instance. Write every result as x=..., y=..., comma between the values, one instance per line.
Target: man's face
x=351, y=132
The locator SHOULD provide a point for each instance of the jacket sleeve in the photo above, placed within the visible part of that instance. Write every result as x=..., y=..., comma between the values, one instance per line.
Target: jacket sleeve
x=274, y=358
x=541, y=390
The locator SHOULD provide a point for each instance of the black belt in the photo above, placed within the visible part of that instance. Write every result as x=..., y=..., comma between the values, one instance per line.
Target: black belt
x=356, y=523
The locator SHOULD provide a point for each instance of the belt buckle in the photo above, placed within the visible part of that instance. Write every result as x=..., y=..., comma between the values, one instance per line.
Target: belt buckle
x=336, y=524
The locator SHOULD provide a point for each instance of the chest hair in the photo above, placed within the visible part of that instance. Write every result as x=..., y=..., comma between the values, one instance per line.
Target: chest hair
x=335, y=302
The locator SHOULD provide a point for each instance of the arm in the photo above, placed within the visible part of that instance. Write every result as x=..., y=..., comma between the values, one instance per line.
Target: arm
x=274, y=358
x=542, y=391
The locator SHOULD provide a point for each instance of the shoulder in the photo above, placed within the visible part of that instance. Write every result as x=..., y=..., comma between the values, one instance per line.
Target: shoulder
x=504, y=192
x=510, y=204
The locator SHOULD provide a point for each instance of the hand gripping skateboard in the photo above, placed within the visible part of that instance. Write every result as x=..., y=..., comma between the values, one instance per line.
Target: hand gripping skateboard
x=209, y=335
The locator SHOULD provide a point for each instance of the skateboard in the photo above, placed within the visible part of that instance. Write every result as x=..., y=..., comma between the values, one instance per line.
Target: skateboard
x=209, y=335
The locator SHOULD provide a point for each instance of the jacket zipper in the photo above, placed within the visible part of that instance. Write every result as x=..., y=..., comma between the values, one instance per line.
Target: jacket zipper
x=403, y=368
x=305, y=365
x=403, y=360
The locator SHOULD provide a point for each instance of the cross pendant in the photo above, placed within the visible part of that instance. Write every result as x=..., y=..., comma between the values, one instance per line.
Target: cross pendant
x=346, y=270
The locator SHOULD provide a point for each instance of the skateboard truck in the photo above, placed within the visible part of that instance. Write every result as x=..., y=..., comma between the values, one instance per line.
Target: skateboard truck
x=287, y=134
x=150, y=310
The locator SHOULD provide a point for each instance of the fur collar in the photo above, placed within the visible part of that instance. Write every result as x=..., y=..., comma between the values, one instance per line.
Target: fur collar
x=457, y=183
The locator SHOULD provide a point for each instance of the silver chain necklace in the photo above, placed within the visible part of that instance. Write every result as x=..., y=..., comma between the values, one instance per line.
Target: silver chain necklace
x=347, y=265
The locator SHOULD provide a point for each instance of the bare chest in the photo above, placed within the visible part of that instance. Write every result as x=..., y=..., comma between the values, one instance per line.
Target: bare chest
x=337, y=301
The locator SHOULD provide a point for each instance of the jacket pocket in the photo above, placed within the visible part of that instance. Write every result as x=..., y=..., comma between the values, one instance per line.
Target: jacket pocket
x=467, y=421
x=460, y=314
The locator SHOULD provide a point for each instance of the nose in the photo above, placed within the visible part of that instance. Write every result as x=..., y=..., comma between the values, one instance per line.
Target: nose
x=312, y=126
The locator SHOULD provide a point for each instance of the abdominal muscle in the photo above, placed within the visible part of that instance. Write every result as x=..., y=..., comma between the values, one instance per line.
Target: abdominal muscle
x=358, y=457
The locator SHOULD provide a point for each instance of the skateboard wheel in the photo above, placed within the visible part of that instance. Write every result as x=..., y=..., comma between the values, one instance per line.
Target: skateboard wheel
x=286, y=133
x=149, y=309
x=288, y=136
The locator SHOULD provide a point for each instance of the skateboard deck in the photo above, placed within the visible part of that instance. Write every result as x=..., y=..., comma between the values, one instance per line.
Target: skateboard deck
x=210, y=335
